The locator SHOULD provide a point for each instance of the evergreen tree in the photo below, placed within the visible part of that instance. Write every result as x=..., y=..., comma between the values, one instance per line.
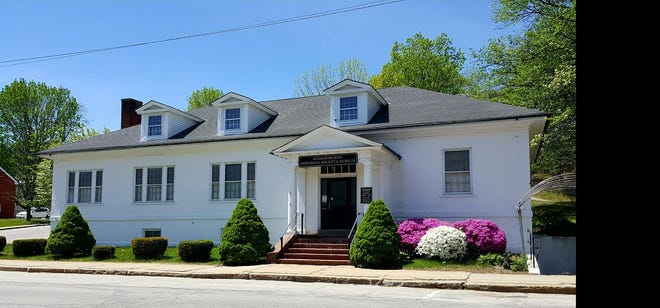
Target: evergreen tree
x=71, y=236
x=376, y=244
x=245, y=237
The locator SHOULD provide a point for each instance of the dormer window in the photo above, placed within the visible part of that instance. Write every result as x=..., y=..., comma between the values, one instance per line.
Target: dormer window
x=353, y=103
x=233, y=119
x=238, y=114
x=348, y=108
x=160, y=121
x=155, y=125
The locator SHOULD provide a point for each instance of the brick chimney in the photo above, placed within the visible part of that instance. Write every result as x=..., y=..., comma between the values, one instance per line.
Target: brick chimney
x=128, y=115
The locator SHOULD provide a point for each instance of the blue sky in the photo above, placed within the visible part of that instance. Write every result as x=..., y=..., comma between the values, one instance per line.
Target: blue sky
x=260, y=63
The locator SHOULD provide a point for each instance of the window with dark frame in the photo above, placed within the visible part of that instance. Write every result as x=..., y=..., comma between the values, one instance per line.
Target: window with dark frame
x=348, y=108
x=84, y=186
x=159, y=180
x=457, y=172
x=155, y=125
x=232, y=181
x=233, y=119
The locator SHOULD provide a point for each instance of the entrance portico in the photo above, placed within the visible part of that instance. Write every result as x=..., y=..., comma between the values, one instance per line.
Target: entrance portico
x=328, y=168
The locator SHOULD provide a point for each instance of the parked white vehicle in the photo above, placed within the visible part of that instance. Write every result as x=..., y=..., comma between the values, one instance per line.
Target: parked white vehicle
x=40, y=212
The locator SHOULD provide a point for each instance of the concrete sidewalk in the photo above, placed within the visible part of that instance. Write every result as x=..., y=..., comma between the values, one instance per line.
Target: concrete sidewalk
x=558, y=284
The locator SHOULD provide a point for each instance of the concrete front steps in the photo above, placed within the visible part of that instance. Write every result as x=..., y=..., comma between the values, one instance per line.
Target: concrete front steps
x=317, y=250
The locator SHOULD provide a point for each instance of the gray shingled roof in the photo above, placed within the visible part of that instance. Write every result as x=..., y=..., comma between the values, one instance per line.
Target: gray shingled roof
x=408, y=107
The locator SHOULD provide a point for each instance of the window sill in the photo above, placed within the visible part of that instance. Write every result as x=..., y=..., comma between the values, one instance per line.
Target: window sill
x=86, y=204
x=229, y=200
x=458, y=195
x=151, y=203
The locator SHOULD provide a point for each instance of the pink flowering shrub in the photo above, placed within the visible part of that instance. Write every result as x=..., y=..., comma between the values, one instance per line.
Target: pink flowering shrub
x=412, y=230
x=483, y=236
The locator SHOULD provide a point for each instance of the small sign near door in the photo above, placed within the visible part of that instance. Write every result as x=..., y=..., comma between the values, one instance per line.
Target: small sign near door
x=365, y=194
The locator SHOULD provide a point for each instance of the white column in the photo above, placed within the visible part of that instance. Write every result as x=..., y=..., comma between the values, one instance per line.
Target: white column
x=300, y=185
x=292, y=196
x=367, y=164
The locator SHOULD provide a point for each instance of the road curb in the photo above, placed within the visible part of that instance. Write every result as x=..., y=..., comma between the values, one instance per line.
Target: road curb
x=433, y=284
x=546, y=289
x=23, y=226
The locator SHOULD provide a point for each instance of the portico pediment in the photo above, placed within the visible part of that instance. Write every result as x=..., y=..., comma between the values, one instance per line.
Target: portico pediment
x=326, y=139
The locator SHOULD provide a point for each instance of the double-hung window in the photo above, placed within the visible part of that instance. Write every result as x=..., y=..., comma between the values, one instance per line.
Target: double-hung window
x=233, y=119
x=159, y=184
x=80, y=184
x=348, y=108
x=155, y=125
x=233, y=181
x=457, y=172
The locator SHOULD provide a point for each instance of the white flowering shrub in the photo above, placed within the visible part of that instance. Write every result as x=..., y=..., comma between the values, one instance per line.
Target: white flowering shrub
x=443, y=243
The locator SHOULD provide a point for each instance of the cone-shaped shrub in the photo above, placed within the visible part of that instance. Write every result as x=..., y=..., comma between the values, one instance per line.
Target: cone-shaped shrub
x=245, y=237
x=71, y=236
x=376, y=243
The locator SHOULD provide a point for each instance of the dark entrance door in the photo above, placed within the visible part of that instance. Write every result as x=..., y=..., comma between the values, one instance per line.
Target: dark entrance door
x=338, y=201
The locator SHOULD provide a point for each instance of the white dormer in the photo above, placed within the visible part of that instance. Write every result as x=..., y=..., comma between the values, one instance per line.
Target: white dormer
x=353, y=103
x=160, y=121
x=238, y=114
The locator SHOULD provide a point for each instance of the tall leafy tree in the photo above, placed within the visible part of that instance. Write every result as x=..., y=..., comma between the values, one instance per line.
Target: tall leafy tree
x=34, y=117
x=313, y=82
x=203, y=97
x=423, y=63
x=535, y=68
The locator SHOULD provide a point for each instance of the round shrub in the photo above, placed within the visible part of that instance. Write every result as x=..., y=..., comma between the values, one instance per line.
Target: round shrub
x=518, y=263
x=149, y=247
x=376, y=243
x=245, y=236
x=443, y=243
x=103, y=252
x=29, y=247
x=412, y=230
x=195, y=251
x=490, y=260
x=483, y=236
x=71, y=236
x=3, y=243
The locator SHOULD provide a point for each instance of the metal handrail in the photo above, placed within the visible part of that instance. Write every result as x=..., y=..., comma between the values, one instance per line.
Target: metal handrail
x=294, y=228
x=354, y=225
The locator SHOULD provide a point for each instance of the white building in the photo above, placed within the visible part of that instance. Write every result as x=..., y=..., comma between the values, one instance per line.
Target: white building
x=304, y=162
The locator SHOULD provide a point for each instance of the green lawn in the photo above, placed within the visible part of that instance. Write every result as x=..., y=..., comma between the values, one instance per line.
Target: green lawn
x=545, y=197
x=468, y=266
x=11, y=222
x=122, y=254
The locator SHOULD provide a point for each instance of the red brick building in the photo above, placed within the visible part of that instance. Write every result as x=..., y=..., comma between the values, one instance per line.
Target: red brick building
x=7, y=194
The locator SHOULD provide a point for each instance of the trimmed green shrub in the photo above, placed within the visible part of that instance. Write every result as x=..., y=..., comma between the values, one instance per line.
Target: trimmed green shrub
x=245, y=237
x=518, y=263
x=3, y=243
x=149, y=247
x=490, y=260
x=29, y=247
x=103, y=252
x=377, y=243
x=195, y=251
x=71, y=236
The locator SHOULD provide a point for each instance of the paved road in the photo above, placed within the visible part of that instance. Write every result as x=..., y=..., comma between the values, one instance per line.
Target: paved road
x=75, y=290
x=23, y=233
